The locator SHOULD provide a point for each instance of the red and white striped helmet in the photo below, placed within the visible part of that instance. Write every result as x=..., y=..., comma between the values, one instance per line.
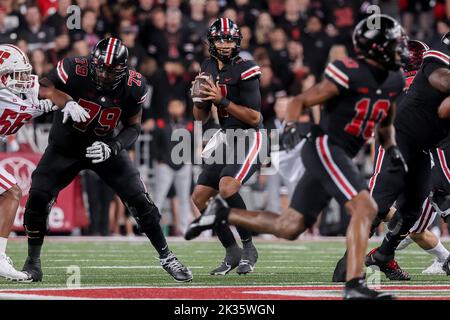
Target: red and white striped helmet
x=15, y=69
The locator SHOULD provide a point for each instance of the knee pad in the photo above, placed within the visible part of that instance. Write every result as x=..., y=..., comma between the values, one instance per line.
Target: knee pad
x=144, y=211
x=37, y=209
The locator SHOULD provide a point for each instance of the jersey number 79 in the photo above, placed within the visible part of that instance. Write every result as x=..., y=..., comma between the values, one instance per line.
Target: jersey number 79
x=108, y=119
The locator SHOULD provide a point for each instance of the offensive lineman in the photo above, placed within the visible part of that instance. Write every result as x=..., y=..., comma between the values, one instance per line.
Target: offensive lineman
x=110, y=91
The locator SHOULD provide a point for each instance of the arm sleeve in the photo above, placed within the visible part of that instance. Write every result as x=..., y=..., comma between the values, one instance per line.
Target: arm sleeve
x=337, y=73
x=126, y=138
x=59, y=75
x=250, y=94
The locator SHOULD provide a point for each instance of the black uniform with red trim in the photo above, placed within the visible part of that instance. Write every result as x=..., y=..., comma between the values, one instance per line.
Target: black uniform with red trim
x=238, y=144
x=348, y=121
x=65, y=155
x=105, y=109
x=418, y=130
x=440, y=187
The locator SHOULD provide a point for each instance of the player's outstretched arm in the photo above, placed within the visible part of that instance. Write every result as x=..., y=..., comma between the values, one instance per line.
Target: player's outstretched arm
x=63, y=101
x=317, y=94
x=47, y=90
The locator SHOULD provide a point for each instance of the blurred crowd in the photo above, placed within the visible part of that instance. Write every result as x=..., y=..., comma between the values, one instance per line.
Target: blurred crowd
x=292, y=40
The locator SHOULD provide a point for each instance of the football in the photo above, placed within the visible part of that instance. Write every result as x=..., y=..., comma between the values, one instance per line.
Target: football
x=197, y=96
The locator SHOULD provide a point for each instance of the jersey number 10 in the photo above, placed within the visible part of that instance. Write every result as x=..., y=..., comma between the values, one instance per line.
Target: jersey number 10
x=367, y=117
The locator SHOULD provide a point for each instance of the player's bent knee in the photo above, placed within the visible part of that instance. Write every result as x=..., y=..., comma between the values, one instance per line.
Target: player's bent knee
x=228, y=188
x=144, y=211
x=289, y=225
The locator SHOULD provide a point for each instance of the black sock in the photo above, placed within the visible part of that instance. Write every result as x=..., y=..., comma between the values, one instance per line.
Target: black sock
x=156, y=237
x=225, y=235
x=34, y=250
x=236, y=201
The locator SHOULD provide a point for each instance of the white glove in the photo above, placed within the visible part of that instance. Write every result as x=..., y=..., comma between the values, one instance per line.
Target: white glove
x=74, y=111
x=47, y=105
x=98, y=152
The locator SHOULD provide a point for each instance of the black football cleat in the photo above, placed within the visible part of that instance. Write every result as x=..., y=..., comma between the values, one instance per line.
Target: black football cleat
x=175, y=268
x=231, y=261
x=33, y=268
x=340, y=271
x=446, y=266
x=391, y=268
x=360, y=291
x=216, y=212
x=248, y=260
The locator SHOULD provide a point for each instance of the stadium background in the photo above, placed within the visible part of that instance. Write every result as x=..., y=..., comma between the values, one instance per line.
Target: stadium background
x=291, y=40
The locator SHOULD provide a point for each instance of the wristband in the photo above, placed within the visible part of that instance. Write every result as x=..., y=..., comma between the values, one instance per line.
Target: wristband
x=224, y=102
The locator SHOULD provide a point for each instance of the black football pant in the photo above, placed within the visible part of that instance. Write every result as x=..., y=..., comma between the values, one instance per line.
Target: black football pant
x=57, y=169
x=391, y=184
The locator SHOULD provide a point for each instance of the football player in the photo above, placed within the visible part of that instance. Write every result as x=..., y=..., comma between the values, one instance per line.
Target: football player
x=19, y=103
x=419, y=128
x=358, y=96
x=410, y=66
x=235, y=91
x=111, y=92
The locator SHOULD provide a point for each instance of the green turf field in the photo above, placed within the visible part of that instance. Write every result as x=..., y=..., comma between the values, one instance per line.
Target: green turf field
x=134, y=263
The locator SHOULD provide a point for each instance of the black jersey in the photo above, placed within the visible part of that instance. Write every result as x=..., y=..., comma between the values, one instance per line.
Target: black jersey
x=417, y=115
x=239, y=82
x=350, y=118
x=106, y=110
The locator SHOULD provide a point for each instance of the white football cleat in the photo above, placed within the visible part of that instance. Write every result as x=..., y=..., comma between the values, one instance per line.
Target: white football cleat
x=435, y=268
x=8, y=272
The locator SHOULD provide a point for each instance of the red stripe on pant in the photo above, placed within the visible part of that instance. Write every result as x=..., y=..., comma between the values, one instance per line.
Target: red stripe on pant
x=424, y=214
x=250, y=158
x=379, y=161
x=333, y=168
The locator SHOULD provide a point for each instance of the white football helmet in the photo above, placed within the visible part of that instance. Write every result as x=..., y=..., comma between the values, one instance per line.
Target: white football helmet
x=15, y=69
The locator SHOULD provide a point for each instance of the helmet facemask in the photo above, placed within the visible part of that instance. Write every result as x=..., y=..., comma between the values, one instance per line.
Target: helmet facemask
x=19, y=80
x=218, y=34
x=106, y=78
